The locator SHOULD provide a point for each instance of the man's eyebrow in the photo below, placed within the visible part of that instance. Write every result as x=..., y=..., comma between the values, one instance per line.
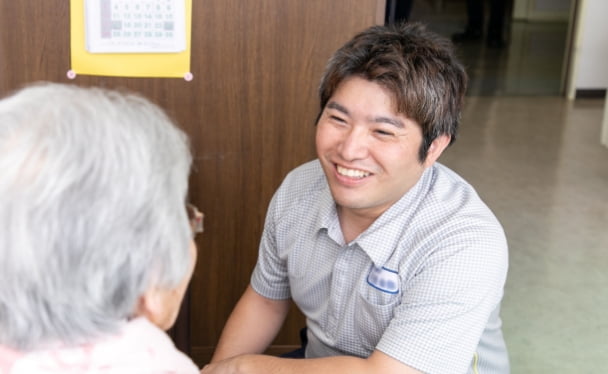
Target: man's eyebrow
x=391, y=121
x=380, y=119
x=338, y=107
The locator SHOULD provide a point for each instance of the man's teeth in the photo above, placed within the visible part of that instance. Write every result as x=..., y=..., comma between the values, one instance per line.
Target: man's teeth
x=352, y=173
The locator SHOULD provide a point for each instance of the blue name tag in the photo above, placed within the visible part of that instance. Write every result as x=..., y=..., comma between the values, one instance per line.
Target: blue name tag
x=384, y=279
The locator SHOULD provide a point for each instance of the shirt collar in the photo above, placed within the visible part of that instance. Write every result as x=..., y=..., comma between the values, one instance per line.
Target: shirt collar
x=382, y=238
x=328, y=216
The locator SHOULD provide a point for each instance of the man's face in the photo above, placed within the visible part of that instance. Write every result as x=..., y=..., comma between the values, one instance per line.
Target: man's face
x=368, y=151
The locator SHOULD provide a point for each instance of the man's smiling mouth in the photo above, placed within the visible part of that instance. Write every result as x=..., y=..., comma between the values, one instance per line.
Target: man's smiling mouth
x=352, y=173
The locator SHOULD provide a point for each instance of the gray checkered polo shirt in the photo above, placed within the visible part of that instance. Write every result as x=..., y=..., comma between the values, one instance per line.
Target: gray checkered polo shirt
x=422, y=284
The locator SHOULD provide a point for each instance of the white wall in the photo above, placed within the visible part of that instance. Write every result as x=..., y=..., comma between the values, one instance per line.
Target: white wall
x=590, y=54
x=604, y=135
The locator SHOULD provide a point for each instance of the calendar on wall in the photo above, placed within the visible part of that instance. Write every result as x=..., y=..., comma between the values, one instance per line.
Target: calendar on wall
x=135, y=26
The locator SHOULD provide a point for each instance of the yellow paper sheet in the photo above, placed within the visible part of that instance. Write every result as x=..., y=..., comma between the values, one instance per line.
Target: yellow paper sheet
x=125, y=64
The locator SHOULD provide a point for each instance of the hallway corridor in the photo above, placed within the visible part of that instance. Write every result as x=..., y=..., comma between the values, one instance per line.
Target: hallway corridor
x=531, y=63
x=538, y=163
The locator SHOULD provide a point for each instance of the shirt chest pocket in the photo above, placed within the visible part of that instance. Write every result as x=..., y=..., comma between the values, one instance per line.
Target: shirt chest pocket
x=376, y=302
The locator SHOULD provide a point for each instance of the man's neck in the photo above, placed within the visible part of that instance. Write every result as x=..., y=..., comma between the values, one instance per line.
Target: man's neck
x=353, y=223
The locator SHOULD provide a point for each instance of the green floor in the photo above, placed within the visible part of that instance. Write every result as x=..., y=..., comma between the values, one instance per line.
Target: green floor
x=538, y=163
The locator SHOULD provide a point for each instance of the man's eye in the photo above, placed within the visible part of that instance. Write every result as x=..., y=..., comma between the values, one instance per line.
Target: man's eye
x=384, y=133
x=336, y=118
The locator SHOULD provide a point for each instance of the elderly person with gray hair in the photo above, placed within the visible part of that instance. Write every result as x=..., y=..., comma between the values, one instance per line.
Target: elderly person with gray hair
x=96, y=245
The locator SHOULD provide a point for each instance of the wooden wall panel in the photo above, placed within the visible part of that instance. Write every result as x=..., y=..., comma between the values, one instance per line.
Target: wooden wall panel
x=249, y=111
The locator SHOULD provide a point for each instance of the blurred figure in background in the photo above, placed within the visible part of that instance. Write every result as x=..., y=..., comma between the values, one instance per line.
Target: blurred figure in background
x=398, y=11
x=475, y=23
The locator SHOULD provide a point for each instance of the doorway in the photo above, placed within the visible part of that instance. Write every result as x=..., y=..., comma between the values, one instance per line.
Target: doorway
x=532, y=62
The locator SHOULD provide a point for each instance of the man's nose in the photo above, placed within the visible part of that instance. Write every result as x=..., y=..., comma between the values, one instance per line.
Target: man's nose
x=354, y=144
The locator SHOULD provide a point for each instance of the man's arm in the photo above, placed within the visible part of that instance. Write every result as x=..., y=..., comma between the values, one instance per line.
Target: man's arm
x=252, y=325
x=378, y=362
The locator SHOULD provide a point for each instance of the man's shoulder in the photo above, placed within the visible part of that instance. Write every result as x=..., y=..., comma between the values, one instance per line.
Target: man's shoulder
x=303, y=185
x=304, y=179
x=458, y=203
x=451, y=200
x=448, y=186
x=443, y=175
x=306, y=170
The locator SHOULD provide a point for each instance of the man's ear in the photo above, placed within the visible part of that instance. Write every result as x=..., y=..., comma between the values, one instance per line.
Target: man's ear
x=438, y=145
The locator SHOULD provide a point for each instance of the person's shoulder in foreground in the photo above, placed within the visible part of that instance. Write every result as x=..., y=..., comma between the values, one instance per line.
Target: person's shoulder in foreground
x=95, y=239
x=139, y=348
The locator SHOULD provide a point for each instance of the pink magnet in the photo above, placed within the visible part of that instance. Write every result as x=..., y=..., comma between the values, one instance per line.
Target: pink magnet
x=71, y=74
x=188, y=77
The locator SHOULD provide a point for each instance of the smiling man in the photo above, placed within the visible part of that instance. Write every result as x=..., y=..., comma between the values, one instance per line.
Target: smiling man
x=395, y=261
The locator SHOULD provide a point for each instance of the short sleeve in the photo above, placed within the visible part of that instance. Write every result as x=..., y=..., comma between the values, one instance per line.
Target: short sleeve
x=270, y=278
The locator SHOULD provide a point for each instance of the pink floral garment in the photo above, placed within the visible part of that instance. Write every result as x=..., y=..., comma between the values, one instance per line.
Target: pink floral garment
x=141, y=348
